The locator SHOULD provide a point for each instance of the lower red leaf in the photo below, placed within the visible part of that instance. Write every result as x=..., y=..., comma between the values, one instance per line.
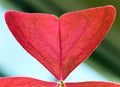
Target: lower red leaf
x=92, y=84
x=24, y=82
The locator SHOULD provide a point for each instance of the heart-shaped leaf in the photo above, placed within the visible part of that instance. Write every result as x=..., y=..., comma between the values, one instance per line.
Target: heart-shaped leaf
x=61, y=44
x=92, y=84
x=24, y=82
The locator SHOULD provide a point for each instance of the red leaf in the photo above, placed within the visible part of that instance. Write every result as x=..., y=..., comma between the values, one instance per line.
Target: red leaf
x=81, y=33
x=92, y=84
x=39, y=35
x=24, y=82
x=61, y=45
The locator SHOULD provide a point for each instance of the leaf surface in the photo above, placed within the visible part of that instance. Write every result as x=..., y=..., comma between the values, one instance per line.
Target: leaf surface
x=39, y=35
x=81, y=32
x=92, y=84
x=61, y=44
x=24, y=82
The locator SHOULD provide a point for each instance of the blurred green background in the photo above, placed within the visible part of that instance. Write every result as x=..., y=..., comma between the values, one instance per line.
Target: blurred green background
x=106, y=59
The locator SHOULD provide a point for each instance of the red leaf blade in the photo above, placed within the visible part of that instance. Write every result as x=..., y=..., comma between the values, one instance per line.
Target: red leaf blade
x=61, y=45
x=81, y=33
x=92, y=84
x=24, y=82
x=39, y=35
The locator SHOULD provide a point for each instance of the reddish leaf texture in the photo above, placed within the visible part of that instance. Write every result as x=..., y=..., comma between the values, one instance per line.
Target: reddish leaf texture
x=60, y=44
x=24, y=82
x=92, y=84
